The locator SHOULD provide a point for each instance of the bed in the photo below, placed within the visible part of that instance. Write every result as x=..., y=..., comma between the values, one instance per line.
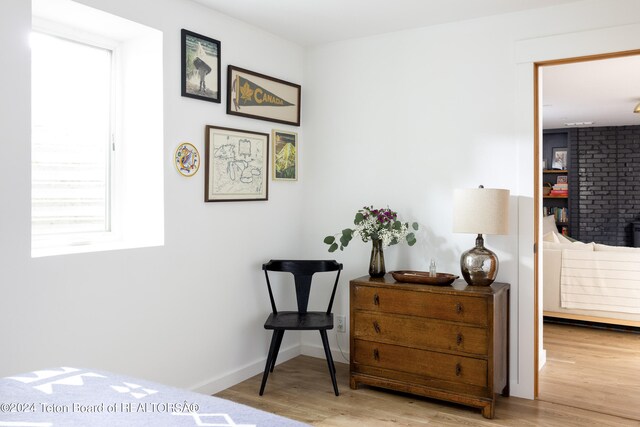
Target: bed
x=87, y=397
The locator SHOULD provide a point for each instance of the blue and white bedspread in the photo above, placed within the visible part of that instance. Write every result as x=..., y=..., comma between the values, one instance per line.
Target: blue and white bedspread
x=87, y=398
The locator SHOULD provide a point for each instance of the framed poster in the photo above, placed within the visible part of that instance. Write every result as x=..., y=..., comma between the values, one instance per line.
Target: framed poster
x=560, y=158
x=200, y=67
x=236, y=166
x=285, y=155
x=257, y=96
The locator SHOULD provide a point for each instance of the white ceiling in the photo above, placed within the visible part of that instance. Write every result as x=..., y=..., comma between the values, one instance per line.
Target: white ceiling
x=604, y=92
x=314, y=22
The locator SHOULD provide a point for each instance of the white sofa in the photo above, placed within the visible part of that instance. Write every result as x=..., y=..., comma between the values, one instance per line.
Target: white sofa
x=602, y=264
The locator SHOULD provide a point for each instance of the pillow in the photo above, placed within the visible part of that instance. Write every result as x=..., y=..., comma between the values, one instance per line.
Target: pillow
x=575, y=246
x=551, y=237
x=549, y=225
x=607, y=248
x=563, y=239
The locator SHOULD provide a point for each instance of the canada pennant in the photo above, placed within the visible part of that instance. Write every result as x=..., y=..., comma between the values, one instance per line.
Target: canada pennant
x=248, y=93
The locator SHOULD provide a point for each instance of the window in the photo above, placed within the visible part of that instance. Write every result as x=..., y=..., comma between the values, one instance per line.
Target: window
x=72, y=104
x=97, y=131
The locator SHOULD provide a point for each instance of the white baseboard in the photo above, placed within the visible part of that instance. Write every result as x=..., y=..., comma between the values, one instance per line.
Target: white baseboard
x=318, y=351
x=542, y=359
x=215, y=385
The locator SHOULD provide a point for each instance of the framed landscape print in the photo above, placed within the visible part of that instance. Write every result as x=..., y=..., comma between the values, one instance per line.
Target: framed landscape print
x=257, y=96
x=200, y=67
x=236, y=165
x=285, y=155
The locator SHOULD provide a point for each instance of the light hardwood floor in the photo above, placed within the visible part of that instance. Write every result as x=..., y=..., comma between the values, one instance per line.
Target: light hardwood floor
x=301, y=389
x=592, y=369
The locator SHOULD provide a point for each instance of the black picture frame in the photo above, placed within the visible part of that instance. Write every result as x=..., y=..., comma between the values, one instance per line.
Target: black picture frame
x=257, y=96
x=198, y=75
x=560, y=158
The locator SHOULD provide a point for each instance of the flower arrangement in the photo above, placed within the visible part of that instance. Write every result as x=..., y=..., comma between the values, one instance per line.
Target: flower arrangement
x=374, y=224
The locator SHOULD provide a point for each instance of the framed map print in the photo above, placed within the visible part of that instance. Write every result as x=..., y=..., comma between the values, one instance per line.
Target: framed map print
x=236, y=165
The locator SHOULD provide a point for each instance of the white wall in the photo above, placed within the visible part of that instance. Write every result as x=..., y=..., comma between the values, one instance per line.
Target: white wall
x=404, y=118
x=189, y=312
x=400, y=119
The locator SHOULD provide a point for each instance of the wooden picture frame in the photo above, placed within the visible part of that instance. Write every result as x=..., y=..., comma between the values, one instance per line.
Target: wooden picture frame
x=285, y=155
x=254, y=95
x=200, y=68
x=236, y=165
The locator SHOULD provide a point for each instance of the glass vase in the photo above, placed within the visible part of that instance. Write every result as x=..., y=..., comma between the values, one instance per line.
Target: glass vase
x=376, y=264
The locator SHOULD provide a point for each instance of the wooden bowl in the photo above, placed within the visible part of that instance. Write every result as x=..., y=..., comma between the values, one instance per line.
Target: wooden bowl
x=423, y=277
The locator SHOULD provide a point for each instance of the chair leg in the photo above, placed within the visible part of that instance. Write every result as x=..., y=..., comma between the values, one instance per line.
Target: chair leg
x=275, y=355
x=274, y=340
x=332, y=367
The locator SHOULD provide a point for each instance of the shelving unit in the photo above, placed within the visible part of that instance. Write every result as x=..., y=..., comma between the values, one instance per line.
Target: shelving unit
x=558, y=205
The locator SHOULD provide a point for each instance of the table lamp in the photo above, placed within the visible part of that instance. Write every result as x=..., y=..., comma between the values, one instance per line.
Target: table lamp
x=480, y=211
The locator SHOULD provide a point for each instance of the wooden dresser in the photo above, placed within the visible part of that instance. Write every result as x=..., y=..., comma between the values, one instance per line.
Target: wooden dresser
x=443, y=342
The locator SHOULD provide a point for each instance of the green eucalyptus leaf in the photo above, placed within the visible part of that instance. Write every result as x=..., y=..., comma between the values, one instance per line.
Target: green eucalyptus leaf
x=397, y=225
x=415, y=225
x=333, y=247
x=411, y=239
x=348, y=232
x=359, y=218
x=329, y=239
x=345, y=239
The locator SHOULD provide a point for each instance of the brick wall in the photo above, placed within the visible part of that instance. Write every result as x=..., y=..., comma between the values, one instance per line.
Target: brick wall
x=604, y=183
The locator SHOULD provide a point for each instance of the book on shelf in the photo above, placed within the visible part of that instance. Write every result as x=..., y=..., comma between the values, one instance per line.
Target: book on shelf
x=561, y=214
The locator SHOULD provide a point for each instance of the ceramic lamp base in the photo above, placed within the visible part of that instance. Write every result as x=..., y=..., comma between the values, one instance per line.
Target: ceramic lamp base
x=479, y=266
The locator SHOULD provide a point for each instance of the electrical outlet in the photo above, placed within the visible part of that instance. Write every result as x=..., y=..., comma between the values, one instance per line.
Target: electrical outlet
x=341, y=323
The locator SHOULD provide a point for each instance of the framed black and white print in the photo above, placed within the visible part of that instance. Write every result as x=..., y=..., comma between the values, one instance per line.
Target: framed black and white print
x=200, y=67
x=257, y=96
x=236, y=165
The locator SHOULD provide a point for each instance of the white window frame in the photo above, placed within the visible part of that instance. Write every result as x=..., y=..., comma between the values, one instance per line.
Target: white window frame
x=112, y=232
x=137, y=179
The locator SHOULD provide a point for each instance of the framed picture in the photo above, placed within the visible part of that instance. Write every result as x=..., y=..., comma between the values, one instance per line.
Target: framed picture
x=285, y=155
x=200, y=67
x=236, y=166
x=187, y=159
x=560, y=158
x=562, y=179
x=262, y=97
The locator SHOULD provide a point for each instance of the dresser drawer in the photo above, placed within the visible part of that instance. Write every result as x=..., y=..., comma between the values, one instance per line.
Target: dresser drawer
x=457, y=308
x=419, y=332
x=465, y=370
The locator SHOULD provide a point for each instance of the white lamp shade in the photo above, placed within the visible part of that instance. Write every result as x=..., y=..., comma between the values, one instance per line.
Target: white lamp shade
x=481, y=211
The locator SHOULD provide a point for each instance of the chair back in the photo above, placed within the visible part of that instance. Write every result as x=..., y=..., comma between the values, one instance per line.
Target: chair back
x=303, y=271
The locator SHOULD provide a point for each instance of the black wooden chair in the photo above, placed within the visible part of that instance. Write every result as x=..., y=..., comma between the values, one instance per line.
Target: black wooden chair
x=300, y=320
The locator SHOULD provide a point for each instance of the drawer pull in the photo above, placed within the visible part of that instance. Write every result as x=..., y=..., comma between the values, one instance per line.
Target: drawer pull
x=459, y=339
x=376, y=299
x=458, y=369
x=376, y=354
x=376, y=326
x=459, y=308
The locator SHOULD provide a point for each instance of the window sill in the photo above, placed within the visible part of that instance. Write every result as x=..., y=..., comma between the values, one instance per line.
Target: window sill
x=70, y=249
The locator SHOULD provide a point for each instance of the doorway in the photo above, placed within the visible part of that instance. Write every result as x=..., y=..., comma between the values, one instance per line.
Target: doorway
x=562, y=123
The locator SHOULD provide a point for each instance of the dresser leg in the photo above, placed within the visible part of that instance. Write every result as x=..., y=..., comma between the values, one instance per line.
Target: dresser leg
x=353, y=384
x=488, y=411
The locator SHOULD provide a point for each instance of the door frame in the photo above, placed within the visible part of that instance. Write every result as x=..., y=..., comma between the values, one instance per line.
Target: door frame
x=537, y=179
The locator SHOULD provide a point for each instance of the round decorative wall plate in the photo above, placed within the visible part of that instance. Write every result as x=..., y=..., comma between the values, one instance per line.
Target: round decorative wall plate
x=187, y=159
